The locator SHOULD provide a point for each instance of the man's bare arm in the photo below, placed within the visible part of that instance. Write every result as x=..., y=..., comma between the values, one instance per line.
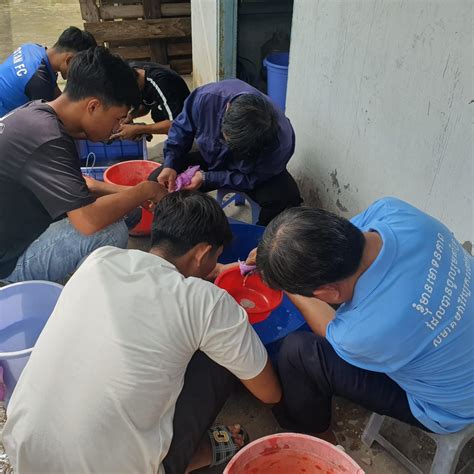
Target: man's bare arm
x=317, y=313
x=109, y=209
x=265, y=386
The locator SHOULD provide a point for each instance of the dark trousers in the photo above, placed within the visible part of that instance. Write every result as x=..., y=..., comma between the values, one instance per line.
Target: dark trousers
x=312, y=373
x=207, y=386
x=273, y=196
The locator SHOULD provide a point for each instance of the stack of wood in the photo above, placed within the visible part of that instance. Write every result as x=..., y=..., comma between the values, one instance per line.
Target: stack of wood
x=150, y=30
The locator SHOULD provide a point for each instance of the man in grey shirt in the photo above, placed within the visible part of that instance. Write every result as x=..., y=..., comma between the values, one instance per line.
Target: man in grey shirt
x=51, y=217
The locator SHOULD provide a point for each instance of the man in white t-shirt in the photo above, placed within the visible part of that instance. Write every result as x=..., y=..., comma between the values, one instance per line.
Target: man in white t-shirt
x=103, y=390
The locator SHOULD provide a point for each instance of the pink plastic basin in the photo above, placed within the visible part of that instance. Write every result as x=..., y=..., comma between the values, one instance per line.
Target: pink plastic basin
x=286, y=453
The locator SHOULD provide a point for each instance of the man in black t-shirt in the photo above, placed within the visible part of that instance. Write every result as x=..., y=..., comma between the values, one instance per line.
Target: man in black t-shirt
x=163, y=93
x=31, y=71
x=41, y=181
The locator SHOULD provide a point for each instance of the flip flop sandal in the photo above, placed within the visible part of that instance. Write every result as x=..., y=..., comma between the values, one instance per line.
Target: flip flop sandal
x=223, y=446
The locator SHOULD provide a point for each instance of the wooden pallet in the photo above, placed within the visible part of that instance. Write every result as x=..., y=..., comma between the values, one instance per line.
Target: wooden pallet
x=156, y=30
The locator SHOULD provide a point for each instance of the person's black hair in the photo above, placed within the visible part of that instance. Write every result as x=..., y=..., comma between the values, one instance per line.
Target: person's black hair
x=99, y=73
x=249, y=125
x=186, y=218
x=73, y=40
x=304, y=248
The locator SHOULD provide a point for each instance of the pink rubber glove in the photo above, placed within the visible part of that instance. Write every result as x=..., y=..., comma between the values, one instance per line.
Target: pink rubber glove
x=245, y=269
x=184, y=179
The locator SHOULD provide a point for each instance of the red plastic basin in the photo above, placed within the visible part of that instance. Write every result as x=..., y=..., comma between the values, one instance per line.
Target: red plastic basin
x=291, y=453
x=251, y=293
x=130, y=173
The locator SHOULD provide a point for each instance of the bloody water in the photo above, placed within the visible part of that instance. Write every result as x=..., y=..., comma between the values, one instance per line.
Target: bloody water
x=288, y=461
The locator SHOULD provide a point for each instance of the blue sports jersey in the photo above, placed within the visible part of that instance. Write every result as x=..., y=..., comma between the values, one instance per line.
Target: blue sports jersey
x=411, y=315
x=26, y=75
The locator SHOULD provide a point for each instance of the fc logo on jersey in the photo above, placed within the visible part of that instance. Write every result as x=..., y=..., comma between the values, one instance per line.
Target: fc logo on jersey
x=2, y=128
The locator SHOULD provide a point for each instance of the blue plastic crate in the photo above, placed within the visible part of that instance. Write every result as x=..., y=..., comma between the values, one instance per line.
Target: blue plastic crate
x=101, y=154
x=96, y=172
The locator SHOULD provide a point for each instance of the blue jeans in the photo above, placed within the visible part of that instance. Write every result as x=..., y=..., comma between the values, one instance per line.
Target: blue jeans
x=59, y=250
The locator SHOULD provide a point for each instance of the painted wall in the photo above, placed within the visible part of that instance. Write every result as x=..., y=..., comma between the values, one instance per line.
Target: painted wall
x=204, y=25
x=379, y=94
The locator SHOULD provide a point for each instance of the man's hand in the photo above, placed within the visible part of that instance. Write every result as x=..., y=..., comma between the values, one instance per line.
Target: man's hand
x=219, y=268
x=129, y=118
x=252, y=257
x=157, y=192
x=109, y=208
x=90, y=182
x=127, y=132
x=196, y=182
x=167, y=178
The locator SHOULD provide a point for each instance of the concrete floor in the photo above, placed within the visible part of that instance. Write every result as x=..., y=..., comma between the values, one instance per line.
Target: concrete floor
x=349, y=419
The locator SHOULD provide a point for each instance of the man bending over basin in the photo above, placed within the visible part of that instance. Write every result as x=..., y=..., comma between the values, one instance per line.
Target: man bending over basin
x=401, y=342
x=138, y=357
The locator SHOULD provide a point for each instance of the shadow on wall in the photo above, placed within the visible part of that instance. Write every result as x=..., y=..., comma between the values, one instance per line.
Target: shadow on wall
x=309, y=190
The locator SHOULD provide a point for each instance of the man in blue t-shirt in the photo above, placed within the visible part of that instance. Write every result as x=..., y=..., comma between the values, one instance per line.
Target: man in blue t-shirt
x=401, y=341
x=30, y=72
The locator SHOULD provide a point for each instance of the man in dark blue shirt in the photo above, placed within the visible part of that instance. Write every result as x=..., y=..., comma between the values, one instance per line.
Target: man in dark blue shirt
x=30, y=72
x=244, y=142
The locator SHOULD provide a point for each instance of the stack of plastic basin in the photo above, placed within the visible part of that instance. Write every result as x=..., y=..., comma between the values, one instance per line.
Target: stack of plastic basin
x=24, y=310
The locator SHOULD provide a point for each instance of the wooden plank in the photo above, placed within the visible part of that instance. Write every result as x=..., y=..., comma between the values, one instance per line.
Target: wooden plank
x=119, y=44
x=152, y=10
x=118, y=2
x=179, y=49
x=182, y=66
x=130, y=2
x=144, y=51
x=140, y=29
x=126, y=12
x=175, y=9
x=112, y=12
x=89, y=10
x=133, y=52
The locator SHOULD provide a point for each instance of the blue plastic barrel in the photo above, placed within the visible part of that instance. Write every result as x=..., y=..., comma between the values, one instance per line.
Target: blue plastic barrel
x=277, y=77
x=286, y=318
x=24, y=309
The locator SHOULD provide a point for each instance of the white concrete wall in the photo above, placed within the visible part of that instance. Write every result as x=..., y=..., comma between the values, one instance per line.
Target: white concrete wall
x=204, y=35
x=378, y=94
